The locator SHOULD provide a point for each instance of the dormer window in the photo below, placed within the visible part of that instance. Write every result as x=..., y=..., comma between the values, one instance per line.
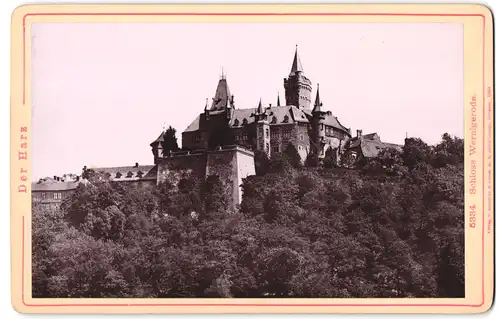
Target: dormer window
x=140, y=174
x=118, y=175
x=273, y=121
x=286, y=119
x=245, y=122
x=108, y=175
x=236, y=122
x=130, y=174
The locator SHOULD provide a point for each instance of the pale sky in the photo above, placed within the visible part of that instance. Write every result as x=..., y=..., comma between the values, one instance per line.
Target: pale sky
x=101, y=92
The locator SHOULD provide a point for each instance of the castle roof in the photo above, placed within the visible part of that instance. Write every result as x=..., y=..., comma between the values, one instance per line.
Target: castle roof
x=128, y=173
x=370, y=144
x=53, y=186
x=158, y=140
x=222, y=98
x=276, y=115
x=317, y=102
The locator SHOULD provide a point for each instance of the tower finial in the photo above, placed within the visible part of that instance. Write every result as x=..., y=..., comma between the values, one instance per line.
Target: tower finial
x=278, y=103
x=296, y=65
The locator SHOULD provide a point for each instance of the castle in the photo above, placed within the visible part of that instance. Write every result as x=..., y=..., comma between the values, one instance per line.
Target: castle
x=270, y=128
x=222, y=140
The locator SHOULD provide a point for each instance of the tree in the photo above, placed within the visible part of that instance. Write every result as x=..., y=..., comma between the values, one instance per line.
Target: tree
x=415, y=151
x=293, y=156
x=331, y=157
x=311, y=160
x=170, y=140
x=261, y=163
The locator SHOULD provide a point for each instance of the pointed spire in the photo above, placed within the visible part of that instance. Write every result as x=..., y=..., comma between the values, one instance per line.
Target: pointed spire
x=296, y=65
x=260, y=109
x=222, y=75
x=223, y=98
x=278, y=103
x=317, y=102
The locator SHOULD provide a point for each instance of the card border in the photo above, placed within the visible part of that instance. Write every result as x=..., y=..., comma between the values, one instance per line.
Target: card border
x=484, y=152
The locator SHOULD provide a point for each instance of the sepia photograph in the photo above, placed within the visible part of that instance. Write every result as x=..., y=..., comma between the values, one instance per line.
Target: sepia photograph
x=247, y=160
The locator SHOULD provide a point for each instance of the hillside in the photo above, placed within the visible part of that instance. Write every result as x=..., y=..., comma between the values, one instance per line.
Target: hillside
x=390, y=227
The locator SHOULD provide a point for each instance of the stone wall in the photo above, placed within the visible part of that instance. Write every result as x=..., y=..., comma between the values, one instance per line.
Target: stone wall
x=231, y=164
x=246, y=167
x=181, y=165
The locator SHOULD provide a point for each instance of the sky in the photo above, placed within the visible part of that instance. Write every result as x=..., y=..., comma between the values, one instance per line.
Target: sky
x=102, y=92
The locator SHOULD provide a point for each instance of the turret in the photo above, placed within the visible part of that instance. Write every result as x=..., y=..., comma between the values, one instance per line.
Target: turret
x=263, y=131
x=318, y=133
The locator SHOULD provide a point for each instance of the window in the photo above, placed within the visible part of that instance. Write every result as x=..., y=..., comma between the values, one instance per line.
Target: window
x=236, y=122
x=267, y=148
x=301, y=137
x=57, y=195
x=245, y=121
x=245, y=136
x=300, y=148
x=267, y=132
x=118, y=175
x=274, y=134
x=286, y=133
x=273, y=121
x=197, y=138
x=276, y=148
x=140, y=174
x=43, y=195
x=129, y=174
x=108, y=175
x=286, y=119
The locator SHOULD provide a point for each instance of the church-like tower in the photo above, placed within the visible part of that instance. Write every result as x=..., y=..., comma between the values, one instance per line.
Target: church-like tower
x=297, y=87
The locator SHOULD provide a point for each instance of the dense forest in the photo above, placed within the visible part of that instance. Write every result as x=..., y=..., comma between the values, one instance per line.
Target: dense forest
x=393, y=226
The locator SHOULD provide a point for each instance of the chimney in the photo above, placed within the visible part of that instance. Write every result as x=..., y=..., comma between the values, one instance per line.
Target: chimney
x=85, y=168
x=55, y=177
x=136, y=164
x=358, y=133
x=77, y=178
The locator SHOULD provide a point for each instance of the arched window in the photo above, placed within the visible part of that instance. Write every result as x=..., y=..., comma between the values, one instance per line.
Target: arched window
x=245, y=122
x=286, y=119
x=236, y=122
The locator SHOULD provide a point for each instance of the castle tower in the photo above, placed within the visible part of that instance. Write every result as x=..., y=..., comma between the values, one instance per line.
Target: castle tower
x=219, y=115
x=297, y=87
x=318, y=136
x=262, y=130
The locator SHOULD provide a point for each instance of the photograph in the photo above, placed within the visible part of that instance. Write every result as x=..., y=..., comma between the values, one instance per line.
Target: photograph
x=247, y=160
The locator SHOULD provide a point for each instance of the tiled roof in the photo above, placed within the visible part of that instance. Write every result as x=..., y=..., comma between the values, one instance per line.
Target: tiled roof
x=127, y=173
x=330, y=120
x=279, y=112
x=222, y=98
x=370, y=145
x=158, y=140
x=53, y=186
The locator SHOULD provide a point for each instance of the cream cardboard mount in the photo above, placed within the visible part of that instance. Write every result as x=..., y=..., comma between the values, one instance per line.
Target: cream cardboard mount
x=289, y=206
